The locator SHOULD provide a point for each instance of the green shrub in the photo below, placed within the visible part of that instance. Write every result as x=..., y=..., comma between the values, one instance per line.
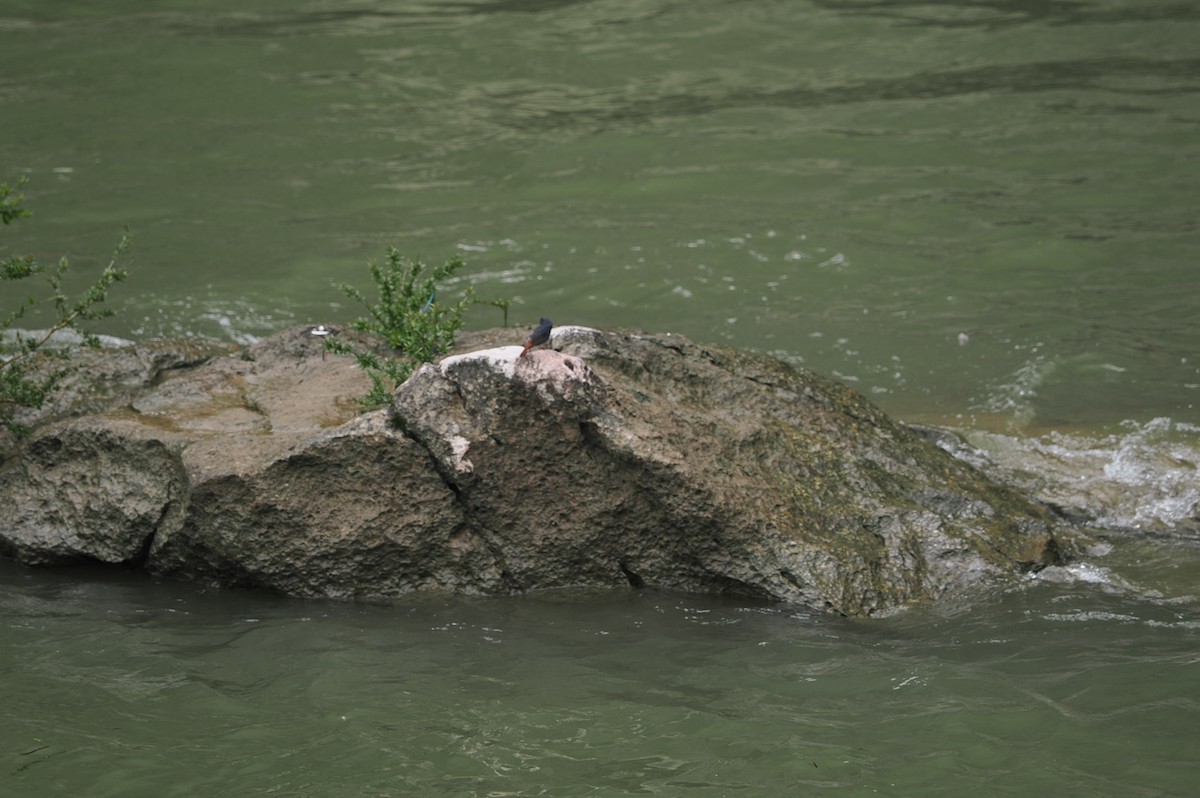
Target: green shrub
x=413, y=326
x=25, y=379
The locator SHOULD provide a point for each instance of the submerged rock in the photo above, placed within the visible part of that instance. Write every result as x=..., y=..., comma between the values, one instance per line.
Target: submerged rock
x=609, y=459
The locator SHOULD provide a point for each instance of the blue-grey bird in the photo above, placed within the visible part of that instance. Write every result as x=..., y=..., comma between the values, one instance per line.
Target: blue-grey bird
x=539, y=336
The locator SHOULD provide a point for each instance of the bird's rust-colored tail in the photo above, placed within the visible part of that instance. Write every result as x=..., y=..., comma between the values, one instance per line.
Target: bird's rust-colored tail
x=539, y=336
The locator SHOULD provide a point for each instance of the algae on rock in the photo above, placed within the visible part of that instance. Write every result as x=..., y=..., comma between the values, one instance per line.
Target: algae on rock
x=610, y=459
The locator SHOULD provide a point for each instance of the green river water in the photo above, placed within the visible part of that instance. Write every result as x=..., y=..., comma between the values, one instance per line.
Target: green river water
x=982, y=214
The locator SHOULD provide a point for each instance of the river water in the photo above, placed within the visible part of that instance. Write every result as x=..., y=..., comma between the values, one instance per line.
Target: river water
x=981, y=214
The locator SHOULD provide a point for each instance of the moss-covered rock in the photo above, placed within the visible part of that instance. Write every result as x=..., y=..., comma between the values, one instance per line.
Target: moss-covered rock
x=607, y=459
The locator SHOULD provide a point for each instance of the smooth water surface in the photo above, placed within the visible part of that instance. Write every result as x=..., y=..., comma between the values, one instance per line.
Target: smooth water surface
x=1072, y=684
x=981, y=214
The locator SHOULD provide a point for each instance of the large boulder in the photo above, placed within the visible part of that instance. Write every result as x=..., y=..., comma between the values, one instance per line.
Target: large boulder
x=605, y=459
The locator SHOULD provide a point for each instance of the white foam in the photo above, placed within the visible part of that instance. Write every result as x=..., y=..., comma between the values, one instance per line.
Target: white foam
x=1078, y=572
x=1091, y=615
x=1145, y=477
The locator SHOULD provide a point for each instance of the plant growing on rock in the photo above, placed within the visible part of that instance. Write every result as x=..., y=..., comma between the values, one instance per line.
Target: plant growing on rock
x=26, y=381
x=409, y=321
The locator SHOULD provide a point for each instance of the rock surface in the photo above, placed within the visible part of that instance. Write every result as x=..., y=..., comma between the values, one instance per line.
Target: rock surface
x=608, y=459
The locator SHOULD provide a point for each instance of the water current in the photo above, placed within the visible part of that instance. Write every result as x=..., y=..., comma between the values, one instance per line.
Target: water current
x=1079, y=684
x=980, y=213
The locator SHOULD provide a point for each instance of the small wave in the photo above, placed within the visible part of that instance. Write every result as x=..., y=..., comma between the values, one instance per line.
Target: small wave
x=1081, y=572
x=1098, y=576
x=1091, y=615
x=1102, y=616
x=1016, y=396
x=1145, y=477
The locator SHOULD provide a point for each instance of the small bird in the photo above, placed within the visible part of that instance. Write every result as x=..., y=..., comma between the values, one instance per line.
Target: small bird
x=539, y=336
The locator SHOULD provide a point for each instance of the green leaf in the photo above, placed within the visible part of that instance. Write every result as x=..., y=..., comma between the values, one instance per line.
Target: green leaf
x=26, y=379
x=408, y=317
